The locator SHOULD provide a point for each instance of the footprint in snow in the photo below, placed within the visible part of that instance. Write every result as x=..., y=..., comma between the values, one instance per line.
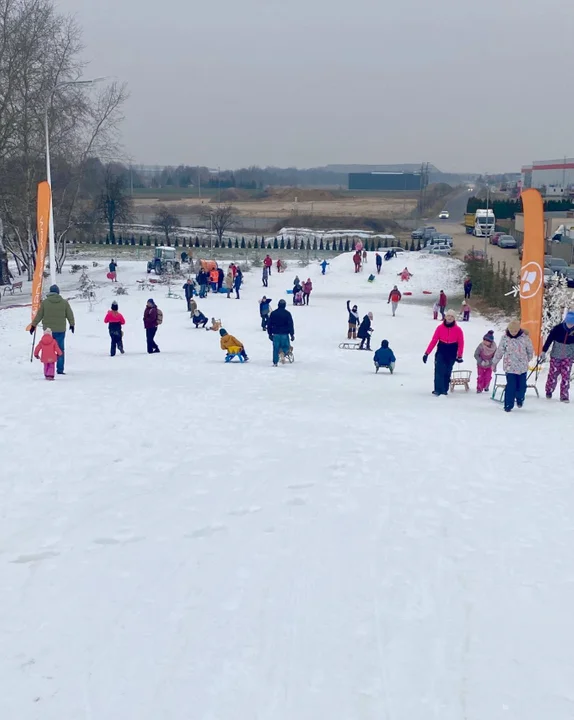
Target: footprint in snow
x=36, y=557
x=245, y=511
x=117, y=541
x=296, y=501
x=301, y=486
x=206, y=531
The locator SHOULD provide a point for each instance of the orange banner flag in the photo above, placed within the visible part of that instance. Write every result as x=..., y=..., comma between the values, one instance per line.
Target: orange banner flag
x=43, y=219
x=532, y=271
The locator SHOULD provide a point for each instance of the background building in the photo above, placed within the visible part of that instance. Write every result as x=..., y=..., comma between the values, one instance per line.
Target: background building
x=554, y=176
x=386, y=181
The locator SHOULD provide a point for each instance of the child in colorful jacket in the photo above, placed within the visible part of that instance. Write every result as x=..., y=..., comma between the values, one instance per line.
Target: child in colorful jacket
x=484, y=355
x=517, y=350
x=385, y=357
x=48, y=351
x=229, y=342
x=465, y=311
x=114, y=320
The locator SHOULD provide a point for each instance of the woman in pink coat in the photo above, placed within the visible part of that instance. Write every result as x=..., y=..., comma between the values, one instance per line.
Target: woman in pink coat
x=448, y=338
x=48, y=351
x=307, y=289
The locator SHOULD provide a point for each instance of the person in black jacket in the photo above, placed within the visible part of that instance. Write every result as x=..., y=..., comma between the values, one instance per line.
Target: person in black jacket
x=220, y=278
x=202, y=280
x=365, y=330
x=353, y=321
x=280, y=329
x=189, y=290
x=264, y=307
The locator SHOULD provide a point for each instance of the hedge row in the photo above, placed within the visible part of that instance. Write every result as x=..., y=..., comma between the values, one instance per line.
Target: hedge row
x=278, y=243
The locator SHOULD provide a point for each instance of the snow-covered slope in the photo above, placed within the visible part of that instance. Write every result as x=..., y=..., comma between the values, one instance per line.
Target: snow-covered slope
x=189, y=540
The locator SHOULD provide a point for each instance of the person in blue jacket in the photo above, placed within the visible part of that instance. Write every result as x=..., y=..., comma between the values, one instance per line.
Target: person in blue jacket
x=237, y=283
x=264, y=308
x=385, y=357
x=324, y=267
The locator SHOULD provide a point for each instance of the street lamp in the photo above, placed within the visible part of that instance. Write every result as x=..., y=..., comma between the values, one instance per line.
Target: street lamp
x=51, y=237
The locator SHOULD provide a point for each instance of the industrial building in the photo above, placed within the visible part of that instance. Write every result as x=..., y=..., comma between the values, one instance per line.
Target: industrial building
x=555, y=177
x=386, y=181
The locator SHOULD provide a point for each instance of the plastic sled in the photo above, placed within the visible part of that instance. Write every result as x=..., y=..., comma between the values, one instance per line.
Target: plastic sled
x=427, y=292
x=371, y=278
x=234, y=353
x=388, y=367
x=407, y=292
x=349, y=345
x=289, y=292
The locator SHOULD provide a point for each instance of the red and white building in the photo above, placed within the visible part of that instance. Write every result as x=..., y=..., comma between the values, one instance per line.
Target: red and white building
x=555, y=176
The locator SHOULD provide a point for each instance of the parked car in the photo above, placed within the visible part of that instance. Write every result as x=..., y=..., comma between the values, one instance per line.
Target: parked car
x=568, y=273
x=440, y=249
x=475, y=255
x=555, y=264
x=507, y=241
x=417, y=234
x=494, y=238
x=444, y=215
x=439, y=239
x=396, y=249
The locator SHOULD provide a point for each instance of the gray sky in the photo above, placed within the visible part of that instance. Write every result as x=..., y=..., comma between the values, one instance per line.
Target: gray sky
x=470, y=86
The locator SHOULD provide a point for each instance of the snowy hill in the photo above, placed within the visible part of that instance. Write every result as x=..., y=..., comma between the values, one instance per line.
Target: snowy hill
x=185, y=539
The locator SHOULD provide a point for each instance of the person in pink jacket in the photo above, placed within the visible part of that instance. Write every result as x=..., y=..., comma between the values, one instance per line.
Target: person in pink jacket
x=48, y=351
x=484, y=355
x=448, y=338
x=307, y=289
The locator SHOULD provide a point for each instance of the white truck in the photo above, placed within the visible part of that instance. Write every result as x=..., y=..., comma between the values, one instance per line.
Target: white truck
x=484, y=222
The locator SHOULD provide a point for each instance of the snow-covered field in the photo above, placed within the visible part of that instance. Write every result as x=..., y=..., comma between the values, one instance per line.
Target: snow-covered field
x=182, y=539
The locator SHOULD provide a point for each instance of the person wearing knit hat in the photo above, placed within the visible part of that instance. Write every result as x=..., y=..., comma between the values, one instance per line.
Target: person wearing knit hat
x=517, y=350
x=561, y=338
x=55, y=313
x=48, y=351
x=448, y=339
x=484, y=355
x=365, y=330
x=231, y=344
x=151, y=321
x=115, y=321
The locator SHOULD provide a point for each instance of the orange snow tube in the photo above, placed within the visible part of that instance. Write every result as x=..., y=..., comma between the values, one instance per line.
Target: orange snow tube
x=208, y=265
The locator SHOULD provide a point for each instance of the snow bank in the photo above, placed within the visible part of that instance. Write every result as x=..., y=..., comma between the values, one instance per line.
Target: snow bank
x=288, y=232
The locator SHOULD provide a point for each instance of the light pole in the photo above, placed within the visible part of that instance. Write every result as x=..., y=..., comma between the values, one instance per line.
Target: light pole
x=51, y=236
x=486, y=233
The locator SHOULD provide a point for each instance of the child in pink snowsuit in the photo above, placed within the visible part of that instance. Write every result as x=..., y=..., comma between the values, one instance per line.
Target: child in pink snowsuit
x=48, y=351
x=484, y=355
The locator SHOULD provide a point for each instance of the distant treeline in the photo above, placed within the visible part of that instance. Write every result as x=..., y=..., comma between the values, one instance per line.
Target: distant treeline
x=507, y=209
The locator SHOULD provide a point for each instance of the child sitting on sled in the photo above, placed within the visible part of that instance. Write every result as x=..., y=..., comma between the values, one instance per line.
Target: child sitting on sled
x=385, y=357
x=231, y=345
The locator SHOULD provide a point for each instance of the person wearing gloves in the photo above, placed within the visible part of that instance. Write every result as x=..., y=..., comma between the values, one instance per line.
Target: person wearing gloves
x=54, y=312
x=385, y=357
x=365, y=330
x=448, y=339
x=394, y=298
x=517, y=351
x=48, y=351
x=229, y=343
x=115, y=320
x=484, y=355
x=353, y=321
x=561, y=337
x=264, y=309
x=280, y=329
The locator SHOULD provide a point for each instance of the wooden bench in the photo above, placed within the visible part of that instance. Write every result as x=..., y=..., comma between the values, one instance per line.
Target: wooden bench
x=11, y=288
x=499, y=387
x=460, y=378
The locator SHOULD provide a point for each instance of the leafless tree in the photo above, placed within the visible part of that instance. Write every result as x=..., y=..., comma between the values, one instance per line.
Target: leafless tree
x=222, y=218
x=166, y=222
x=113, y=204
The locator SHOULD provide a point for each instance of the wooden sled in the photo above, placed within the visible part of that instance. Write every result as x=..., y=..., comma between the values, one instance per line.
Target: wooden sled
x=349, y=345
x=460, y=378
x=289, y=357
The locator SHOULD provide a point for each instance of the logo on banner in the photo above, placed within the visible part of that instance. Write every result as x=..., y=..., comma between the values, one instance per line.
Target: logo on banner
x=531, y=279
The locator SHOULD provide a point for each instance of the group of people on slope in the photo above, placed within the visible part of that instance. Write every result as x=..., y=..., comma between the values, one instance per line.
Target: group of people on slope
x=302, y=291
x=357, y=328
x=213, y=281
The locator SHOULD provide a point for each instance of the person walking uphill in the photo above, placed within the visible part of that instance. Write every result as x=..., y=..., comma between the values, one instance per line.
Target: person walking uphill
x=448, y=339
x=379, y=262
x=365, y=330
x=237, y=283
x=153, y=317
x=265, y=276
x=48, y=351
x=307, y=290
x=517, y=351
x=442, y=303
x=114, y=321
x=189, y=290
x=268, y=263
x=264, y=307
x=280, y=329
x=113, y=267
x=467, y=287
x=394, y=298
x=54, y=312
x=561, y=337
x=484, y=355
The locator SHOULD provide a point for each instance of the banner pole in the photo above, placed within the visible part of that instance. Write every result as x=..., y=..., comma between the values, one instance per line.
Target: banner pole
x=33, y=343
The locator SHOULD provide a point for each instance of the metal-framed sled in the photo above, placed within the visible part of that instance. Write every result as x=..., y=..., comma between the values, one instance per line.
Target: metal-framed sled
x=460, y=378
x=289, y=357
x=390, y=367
x=499, y=387
x=349, y=345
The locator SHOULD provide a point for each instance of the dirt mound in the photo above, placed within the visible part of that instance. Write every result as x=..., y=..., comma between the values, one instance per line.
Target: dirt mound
x=288, y=194
x=232, y=195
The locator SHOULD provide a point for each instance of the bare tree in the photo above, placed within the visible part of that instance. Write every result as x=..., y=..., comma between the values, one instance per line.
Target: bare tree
x=113, y=204
x=166, y=222
x=222, y=218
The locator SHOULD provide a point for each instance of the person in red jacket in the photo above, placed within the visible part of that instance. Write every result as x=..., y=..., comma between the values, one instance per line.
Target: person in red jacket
x=450, y=341
x=394, y=298
x=48, y=351
x=307, y=290
x=357, y=261
x=151, y=321
x=114, y=320
x=442, y=303
x=268, y=262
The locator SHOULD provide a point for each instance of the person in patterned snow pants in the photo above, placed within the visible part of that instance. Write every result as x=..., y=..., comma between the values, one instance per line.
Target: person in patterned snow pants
x=561, y=338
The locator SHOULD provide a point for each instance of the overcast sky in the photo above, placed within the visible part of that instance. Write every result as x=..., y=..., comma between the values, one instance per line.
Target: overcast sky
x=470, y=86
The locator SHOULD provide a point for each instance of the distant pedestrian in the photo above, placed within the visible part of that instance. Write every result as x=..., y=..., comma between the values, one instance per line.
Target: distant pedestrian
x=353, y=321
x=268, y=263
x=561, y=337
x=115, y=321
x=229, y=280
x=189, y=290
x=357, y=261
x=307, y=290
x=54, y=312
x=220, y=279
x=394, y=298
x=265, y=276
x=202, y=281
x=48, y=351
x=238, y=282
x=442, y=303
x=213, y=279
x=324, y=266
x=113, y=275
x=517, y=351
x=435, y=310
x=467, y=288
x=364, y=256
x=378, y=262
x=385, y=357
x=264, y=308
x=152, y=318
x=465, y=311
